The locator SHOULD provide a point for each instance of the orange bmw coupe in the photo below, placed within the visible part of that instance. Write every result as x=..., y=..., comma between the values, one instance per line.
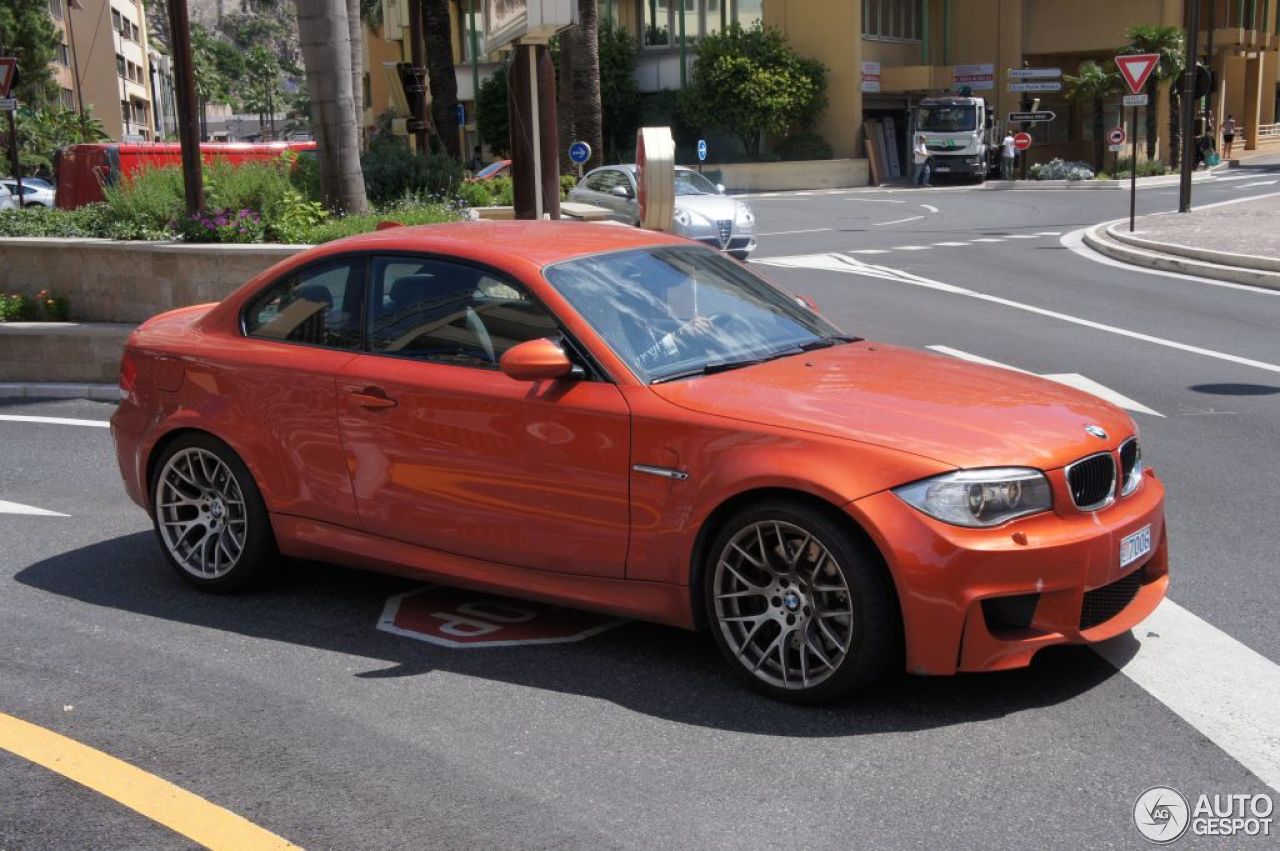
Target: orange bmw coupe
x=626, y=421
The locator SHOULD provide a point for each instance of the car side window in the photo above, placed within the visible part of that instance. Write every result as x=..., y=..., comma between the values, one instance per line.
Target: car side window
x=447, y=312
x=599, y=182
x=319, y=306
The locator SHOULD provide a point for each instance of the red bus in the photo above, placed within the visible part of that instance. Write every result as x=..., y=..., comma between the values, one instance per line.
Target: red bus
x=82, y=170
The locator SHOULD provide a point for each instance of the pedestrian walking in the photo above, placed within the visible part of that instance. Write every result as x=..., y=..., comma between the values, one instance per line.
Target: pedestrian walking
x=1008, y=151
x=1228, y=135
x=920, y=155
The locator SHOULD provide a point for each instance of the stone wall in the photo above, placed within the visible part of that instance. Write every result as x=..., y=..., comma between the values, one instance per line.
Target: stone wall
x=784, y=176
x=129, y=282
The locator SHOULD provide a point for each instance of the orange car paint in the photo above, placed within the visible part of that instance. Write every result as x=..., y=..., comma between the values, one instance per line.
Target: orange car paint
x=528, y=488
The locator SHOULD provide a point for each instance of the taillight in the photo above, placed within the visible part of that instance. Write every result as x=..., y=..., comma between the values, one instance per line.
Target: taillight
x=128, y=372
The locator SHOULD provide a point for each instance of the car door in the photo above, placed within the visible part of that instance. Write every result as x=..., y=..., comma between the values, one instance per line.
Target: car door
x=447, y=452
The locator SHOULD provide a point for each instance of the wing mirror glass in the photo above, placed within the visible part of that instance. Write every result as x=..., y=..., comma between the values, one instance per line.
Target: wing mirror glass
x=720, y=188
x=537, y=360
x=620, y=191
x=808, y=302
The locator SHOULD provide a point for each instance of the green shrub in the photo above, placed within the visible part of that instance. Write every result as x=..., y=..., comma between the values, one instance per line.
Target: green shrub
x=226, y=226
x=92, y=220
x=392, y=171
x=294, y=218
x=259, y=186
x=503, y=191
x=338, y=227
x=146, y=204
x=475, y=194
x=18, y=308
x=567, y=182
x=805, y=145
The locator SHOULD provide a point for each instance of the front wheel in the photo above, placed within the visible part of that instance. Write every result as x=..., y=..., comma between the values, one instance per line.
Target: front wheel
x=801, y=608
x=210, y=517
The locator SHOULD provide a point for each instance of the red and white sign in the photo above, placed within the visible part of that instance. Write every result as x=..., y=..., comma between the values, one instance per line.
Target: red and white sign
x=1116, y=135
x=1022, y=141
x=976, y=77
x=453, y=617
x=1137, y=68
x=871, y=77
x=8, y=72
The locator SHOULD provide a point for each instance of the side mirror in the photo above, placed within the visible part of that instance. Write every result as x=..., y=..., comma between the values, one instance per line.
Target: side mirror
x=536, y=360
x=808, y=302
x=720, y=188
x=620, y=191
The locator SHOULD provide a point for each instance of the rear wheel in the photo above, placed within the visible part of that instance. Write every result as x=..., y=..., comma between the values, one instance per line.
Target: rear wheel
x=210, y=517
x=801, y=608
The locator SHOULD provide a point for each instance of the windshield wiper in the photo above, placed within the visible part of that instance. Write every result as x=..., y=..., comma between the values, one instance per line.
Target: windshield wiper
x=827, y=342
x=709, y=369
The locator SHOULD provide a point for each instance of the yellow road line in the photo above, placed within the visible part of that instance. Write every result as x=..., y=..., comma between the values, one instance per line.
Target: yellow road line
x=156, y=798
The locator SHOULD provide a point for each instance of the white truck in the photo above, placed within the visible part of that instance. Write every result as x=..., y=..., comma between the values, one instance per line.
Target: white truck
x=960, y=135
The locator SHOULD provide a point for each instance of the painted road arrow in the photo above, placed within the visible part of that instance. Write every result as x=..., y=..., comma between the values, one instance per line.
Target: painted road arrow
x=19, y=508
x=1071, y=379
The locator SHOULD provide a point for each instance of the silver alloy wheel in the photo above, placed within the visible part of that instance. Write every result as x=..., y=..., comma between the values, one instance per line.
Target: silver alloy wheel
x=200, y=510
x=783, y=605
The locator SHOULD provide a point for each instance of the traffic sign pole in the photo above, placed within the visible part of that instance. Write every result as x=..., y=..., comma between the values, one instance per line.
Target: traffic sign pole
x=1133, y=174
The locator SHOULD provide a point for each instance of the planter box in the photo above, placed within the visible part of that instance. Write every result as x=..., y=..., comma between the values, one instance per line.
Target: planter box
x=61, y=351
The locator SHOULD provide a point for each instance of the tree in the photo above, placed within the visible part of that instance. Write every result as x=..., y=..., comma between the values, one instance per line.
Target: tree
x=260, y=89
x=325, y=39
x=584, y=76
x=43, y=131
x=619, y=94
x=440, y=74
x=751, y=83
x=491, y=112
x=27, y=33
x=354, y=12
x=1168, y=43
x=1092, y=85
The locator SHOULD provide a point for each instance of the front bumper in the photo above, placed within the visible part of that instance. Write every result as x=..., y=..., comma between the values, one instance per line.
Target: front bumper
x=957, y=164
x=990, y=599
x=740, y=240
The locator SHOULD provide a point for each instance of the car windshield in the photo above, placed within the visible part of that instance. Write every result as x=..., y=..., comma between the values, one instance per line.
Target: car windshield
x=692, y=183
x=491, y=168
x=676, y=311
x=947, y=119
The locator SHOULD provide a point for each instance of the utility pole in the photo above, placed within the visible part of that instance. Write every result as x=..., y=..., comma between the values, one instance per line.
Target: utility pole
x=188, y=111
x=14, y=159
x=1191, y=16
x=416, y=90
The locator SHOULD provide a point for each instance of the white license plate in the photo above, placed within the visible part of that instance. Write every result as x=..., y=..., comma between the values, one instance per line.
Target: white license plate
x=1135, y=546
x=942, y=168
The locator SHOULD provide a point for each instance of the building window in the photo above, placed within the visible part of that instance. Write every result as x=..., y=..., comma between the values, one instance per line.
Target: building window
x=660, y=19
x=121, y=67
x=68, y=99
x=892, y=20
x=60, y=55
x=126, y=112
x=465, y=33
x=55, y=9
x=117, y=22
x=134, y=33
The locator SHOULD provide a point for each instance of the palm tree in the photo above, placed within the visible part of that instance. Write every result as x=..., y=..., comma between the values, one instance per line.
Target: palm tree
x=585, y=76
x=354, y=22
x=1093, y=84
x=1168, y=43
x=440, y=75
x=325, y=39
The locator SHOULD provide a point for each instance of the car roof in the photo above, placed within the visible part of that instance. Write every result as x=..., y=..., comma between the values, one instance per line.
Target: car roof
x=538, y=242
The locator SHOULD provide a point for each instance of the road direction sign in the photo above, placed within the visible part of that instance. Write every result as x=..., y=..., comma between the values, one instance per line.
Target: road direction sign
x=1116, y=136
x=1137, y=68
x=1022, y=141
x=452, y=617
x=8, y=74
x=1041, y=86
x=8, y=104
x=1034, y=73
x=1116, y=149
x=1031, y=117
x=1136, y=100
x=702, y=150
x=579, y=152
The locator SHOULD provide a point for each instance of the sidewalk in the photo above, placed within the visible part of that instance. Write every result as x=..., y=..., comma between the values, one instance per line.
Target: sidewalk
x=1236, y=241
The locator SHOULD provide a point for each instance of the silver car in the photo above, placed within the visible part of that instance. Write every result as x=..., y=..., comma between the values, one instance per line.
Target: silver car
x=703, y=212
x=35, y=192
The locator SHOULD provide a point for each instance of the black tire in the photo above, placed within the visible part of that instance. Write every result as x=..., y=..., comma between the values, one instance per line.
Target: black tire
x=256, y=558
x=874, y=633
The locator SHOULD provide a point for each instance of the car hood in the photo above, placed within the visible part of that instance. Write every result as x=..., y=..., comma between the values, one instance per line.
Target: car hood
x=955, y=412
x=712, y=207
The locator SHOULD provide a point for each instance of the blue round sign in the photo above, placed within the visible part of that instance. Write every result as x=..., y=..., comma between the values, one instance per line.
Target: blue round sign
x=702, y=150
x=579, y=152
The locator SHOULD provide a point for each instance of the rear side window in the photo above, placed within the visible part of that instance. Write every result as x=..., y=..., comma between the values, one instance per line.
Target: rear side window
x=318, y=306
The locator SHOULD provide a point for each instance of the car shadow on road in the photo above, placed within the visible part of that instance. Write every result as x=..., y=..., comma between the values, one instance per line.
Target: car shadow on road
x=660, y=671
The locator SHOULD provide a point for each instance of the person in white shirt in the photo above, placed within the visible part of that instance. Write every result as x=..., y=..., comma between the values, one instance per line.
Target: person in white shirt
x=920, y=155
x=1007, y=153
x=1228, y=136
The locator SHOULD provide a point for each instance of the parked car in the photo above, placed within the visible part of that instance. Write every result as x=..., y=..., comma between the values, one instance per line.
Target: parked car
x=497, y=168
x=6, y=199
x=623, y=420
x=33, y=194
x=82, y=170
x=703, y=212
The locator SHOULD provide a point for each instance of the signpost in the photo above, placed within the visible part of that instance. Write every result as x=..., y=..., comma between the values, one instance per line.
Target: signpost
x=1034, y=73
x=579, y=153
x=1135, y=69
x=1136, y=100
x=1022, y=141
x=1031, y=117
x=702, y=153
x=1040, y=86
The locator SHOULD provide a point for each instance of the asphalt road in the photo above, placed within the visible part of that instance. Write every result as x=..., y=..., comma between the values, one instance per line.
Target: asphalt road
x=289, y=708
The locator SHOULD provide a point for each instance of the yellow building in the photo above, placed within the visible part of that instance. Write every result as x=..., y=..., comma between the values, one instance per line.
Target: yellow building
x=883, y=56
x=102, y=62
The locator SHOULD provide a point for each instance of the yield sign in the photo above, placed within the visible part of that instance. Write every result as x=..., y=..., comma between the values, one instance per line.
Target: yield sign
x=1137, y=68
x=8, y=74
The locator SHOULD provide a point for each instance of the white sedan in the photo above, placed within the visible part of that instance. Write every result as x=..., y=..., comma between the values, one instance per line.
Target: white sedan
x=35, y=192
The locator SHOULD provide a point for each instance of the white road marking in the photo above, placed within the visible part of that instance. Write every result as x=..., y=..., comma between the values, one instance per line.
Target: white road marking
x=1070, y=379
x=898, y=221
x=1256, y=183
x=877, y=200
x=912, y=247
x=951, y=244
x=870, y=251
x=930, y=208
x=852, y=266
x=1048, y=233
x=786, y=232
x=1021, y=236
x=14, y=418
x=18, y=508
x=1225, y=690
x=988, y=239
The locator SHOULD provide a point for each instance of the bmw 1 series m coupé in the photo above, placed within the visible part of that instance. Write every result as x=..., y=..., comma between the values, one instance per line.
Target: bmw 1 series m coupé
x=627, y=421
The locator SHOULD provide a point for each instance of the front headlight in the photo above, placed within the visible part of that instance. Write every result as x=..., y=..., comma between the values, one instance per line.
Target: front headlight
x=980, y=498
x=681, y=217
x=1131, y=461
